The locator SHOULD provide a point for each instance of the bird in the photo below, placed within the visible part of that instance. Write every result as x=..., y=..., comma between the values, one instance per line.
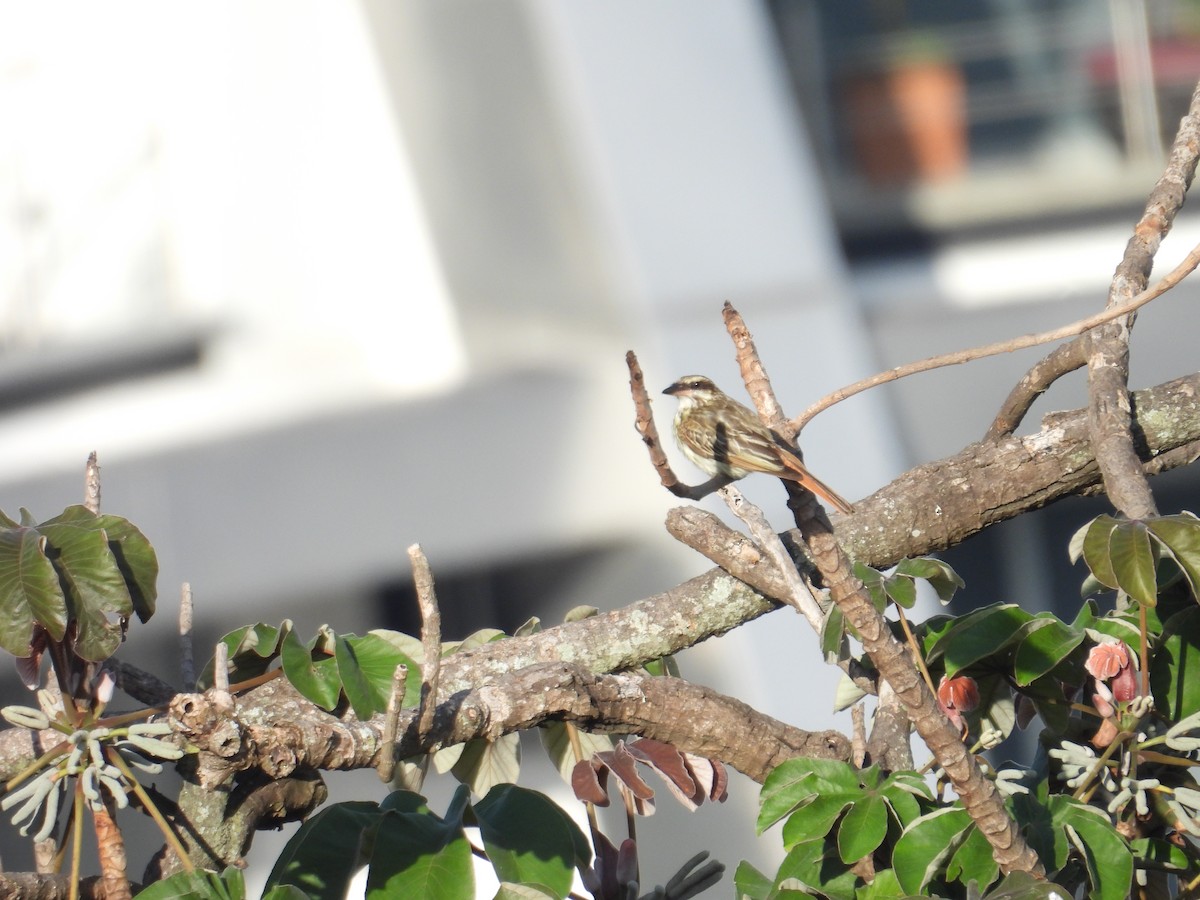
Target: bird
x=724, y=438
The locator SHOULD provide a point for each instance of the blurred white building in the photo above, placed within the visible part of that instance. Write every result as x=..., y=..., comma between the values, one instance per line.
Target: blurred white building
x=319, y=280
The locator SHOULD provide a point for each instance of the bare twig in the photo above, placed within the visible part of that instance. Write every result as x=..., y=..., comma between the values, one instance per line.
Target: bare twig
x=1063, y=359
x=799, y=595
x=858, y=735
x=978, y=794
x=958, y=357
x=391, y=717
x=187, y=662
x=1107, y=348
x=91, y=484
x=644, y=423
x=221, y=667
x=431, y=635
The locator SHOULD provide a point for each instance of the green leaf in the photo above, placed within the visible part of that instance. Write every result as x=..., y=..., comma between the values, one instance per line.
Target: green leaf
x=419, y=856
x=229, y=885
x=92, y=581
x=873, y=581
x=815, y=818
x=508, y=891
x=812, y=866
x=979, y=635
x=1096, y=553
x=1134, y=562
x=137, y=560
x=1107, y=857
x=316, y=680
x=29, y=591
x=485, y=764
x=927, y=844
x=973, y=861
x=365, y=666
x=797, y=781
x=863, y=829
x=901, y=591
x=529, y=839
x=833, y=635
x=886, y=886
x=752, y=884
x=1175, y=668
x=941, y=577
x=1048, y=641
x=1180, y=536
x=328, y=850
x=252, y=649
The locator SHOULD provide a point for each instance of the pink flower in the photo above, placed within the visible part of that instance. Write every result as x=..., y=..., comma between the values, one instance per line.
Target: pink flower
x=1106, y=660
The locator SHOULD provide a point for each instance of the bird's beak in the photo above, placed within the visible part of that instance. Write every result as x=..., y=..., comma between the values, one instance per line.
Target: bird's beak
x=674, y=389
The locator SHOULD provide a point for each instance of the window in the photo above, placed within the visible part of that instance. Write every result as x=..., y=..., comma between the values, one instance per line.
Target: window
x=936, y=116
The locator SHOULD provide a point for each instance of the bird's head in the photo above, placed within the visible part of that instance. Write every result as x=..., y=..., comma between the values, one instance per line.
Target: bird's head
x=693, y=389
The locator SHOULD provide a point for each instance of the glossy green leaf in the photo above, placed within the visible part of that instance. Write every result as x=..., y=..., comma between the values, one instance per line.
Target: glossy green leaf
x=29, y=591
x=973, y=861
x=97, y=597
x=316, y=680
x=941, y=577
x=979, y=635
x=328, y=850
x=1106, y=855
x=863, y=829
x=927, y=844
x=529, y=839
x=815, y=818
x=419, y=856
x=1096, y=552
x=797, y=781
x=1180, y=537
x=1047, y=642
x=485, y=764
x=1134, y=561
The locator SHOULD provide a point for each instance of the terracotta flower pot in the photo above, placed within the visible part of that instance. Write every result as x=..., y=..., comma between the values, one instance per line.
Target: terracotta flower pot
x=909, y=123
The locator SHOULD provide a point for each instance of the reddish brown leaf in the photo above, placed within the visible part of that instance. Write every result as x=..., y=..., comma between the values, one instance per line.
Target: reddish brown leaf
x=669, y=763
x=623, y=765
x=587, y=781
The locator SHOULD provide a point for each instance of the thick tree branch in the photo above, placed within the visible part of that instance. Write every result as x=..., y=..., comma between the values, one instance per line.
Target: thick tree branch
x=274, y=730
